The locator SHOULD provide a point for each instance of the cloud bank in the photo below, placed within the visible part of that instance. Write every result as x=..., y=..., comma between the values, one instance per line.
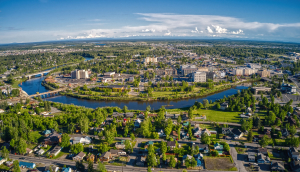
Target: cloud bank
x=178, y=25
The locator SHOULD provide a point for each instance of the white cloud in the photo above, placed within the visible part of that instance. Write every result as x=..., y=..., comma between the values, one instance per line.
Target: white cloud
x=219, y=29
x=237, y=32
x=209, y=30
x=149, y=30
x=161, y=24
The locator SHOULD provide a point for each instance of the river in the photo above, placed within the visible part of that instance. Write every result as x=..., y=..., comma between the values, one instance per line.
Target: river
x=33, y=85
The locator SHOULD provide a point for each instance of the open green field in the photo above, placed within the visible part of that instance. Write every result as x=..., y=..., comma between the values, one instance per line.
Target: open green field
x=219, y=164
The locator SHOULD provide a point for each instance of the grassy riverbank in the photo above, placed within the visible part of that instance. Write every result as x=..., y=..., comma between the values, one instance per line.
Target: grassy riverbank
x=93, y=95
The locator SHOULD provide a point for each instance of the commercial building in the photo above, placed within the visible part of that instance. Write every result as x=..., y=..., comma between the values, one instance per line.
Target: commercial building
x=238, y=72
x=188, y=69
x=263, y=73
x=288, y=88
x=199, y=76
x=147, y=60
x=80, y=74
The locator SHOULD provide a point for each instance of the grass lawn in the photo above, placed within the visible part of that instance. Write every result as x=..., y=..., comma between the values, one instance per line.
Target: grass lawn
x=219, y=164
x=4, y=167
x=219, y=115
x=240, y=150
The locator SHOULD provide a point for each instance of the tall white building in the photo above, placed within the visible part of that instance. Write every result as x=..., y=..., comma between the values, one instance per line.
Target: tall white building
x=199, y=76
x=80, y=74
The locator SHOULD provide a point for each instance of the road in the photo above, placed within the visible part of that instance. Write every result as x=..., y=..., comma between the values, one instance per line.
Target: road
x=108, y=167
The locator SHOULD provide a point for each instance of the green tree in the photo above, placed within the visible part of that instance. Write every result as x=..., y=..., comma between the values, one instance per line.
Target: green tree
x=190, y=114
x=80, y=166
x=84, y=124
x=16, y=166
x=21, y=146
x=250, y=136
x=205, y=103
x=163, y=147
x=264, y=141
x=205, y=139
x=172, y=162
x=218, y=105
x=65, y=140
x=125, y=109
x=164, y=157
x=91, y=166
x=292, y=130
x=132, y=136
x=109, y=137
x=76, y=148
x=4, y=153
x=103, y=148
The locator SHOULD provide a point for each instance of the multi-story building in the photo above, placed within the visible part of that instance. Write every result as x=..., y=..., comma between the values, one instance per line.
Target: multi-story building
x=165, y=72
x=80, y=74
x=210, y=75
x=188, y=69
x=199, y=76
x=147, y=60
x=249, y=71
x=238, y=72
x=204, y=69
x=263, y=73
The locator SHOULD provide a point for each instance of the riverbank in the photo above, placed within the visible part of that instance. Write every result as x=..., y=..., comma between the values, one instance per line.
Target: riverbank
x=199, y=95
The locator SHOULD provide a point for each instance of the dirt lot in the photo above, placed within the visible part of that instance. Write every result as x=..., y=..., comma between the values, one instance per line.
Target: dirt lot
x=218, y=163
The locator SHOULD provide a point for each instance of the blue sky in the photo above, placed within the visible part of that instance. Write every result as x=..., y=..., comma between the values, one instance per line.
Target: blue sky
x=43, y=20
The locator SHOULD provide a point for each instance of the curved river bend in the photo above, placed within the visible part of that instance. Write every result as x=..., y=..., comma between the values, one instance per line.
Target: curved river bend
x=34, y=85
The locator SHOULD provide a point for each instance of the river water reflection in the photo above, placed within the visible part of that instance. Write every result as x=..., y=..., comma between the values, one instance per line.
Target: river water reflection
x=140, y=105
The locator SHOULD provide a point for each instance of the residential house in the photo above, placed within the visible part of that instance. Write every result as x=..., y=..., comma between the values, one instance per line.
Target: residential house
x=251, y=156
x=185, y=124
x=141, y=115
x=226, y=130
x=41, y=152
x=90, y=157
x=293, y=153
x=27, y=165
x=117, y=114
x=199, y=156
x=261, y=158
x=120, y=145
x=172, y=116
x=277, y=166
x=292, y=121
x=285, y=132
x=82, y=140
x=47, y=133
x=295, y=165
x=161, y=133
x=137, y=123
x=174, y=133
x=129, y=114
x=105, y=156
x=2, y=111
x=218, y=147
x=148, y=143
x=186, y=157
x=67, y=169
x=202, y=147
x=79, y=156
x=55, y=151
x=140, y=161
x=117, y=152
x=54, y=138
x=53, y=168
x=263, y=151
x=224, y=106
x=197, y=132
x=267, y=131
x=206, y=131
x=184, y=135
x=171, y=144
x=28, y=151
x=237, y=133
x=9, y=163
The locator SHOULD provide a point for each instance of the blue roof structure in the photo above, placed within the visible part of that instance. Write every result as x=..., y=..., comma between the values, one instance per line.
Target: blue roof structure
x=26, y=164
